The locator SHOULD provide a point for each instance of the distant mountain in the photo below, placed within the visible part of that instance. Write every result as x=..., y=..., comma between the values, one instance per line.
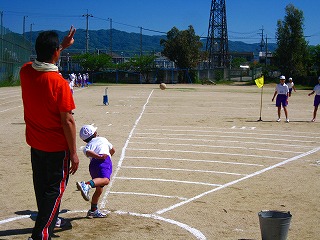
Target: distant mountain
x=129, y=43
x=237, y=46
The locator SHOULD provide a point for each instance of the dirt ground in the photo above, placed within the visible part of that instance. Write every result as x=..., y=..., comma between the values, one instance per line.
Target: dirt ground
x=191, y=162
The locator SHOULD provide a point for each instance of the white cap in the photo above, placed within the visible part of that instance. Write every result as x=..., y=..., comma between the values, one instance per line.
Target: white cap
x=87, y=131
x=282, y=77
x=290, y=79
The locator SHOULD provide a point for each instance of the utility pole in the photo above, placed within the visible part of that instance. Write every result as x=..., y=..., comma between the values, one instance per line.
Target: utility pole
x=266, y=49
x=1, y=29
x=262, y=41
x=87, y=29
x=24, y=27
x=140, y=41
x=110, y=19
x=31, y=37
x=1, y=14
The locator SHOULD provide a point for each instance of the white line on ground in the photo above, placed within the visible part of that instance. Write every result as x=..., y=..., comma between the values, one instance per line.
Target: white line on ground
x=192, y=230
x=215, y=146
x=14, y=219
x=186, y=227
x=10, y=102
x=238, y=180
x=123, y=153
x=227, y=129
x=213, y=153
x=147, y=194
x=234, y=136
x=226, y=141
x=228, y=132
x=196, y=160
x=168, y=180
x=11, y=96
x=184, y=170
x=10, y=109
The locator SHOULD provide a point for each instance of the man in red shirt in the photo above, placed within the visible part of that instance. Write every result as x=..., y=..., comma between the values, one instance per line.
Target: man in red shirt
x=50, y=128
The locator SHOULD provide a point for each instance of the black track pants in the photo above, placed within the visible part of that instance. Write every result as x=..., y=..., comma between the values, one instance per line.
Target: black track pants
x=50, y=177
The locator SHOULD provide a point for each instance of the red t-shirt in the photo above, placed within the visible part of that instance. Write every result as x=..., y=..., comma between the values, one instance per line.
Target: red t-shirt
x=45, y=95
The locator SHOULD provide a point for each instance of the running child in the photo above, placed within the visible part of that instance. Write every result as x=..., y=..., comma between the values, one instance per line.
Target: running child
x=316, y=102
x=99, y=150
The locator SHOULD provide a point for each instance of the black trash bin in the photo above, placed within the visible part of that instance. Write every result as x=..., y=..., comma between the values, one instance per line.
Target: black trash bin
x=274, y=225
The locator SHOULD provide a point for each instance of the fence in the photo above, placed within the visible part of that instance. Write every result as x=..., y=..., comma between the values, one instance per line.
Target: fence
x=241, y=74
x=152, y=76
x=14, y=51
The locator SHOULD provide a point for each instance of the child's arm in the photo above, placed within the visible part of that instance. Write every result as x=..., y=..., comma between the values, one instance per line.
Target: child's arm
x=275, y=93
x=311, y=93
x=92, y=154
x=112, y=151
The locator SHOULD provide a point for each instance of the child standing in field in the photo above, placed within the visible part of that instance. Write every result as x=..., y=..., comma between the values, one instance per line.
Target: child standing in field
x=99, y=150
x=291, y=86
x=282, y=93
x=72, y=79
x=316, y=102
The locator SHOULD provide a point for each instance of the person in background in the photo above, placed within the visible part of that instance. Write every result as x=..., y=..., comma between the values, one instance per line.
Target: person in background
x=282, y=93
x=316, y=101
x=291, y=86
x=79, y=80
x=50, y=129
x=72, y=81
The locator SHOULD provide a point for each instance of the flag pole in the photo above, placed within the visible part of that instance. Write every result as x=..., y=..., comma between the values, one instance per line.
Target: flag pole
x=259, y=120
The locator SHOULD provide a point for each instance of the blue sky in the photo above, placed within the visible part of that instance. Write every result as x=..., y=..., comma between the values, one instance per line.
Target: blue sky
x=245, y=18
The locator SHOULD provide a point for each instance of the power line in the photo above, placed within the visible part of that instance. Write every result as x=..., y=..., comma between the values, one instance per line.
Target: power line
x=46, y=15
x=42, y=15
x=254, y=31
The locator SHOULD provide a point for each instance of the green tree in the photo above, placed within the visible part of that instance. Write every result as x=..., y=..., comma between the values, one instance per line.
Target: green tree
x=142, y=64
x=237, y=61
x=315, y=58
x=182, y=47
x=94, y=62
x=292, y=52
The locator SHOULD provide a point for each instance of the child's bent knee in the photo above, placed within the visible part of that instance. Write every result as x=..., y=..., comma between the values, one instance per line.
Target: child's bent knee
x=106, y=181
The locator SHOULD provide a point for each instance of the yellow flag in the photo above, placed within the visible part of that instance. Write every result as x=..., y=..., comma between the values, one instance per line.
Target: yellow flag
x=260, y=81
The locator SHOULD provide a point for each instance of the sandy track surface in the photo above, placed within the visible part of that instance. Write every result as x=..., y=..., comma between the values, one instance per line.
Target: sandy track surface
x=191, y=162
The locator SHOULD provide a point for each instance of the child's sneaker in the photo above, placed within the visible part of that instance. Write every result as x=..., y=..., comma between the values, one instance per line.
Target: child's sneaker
x=279, y=119
x=84, y=188
x=287, y=120
x=95, y=214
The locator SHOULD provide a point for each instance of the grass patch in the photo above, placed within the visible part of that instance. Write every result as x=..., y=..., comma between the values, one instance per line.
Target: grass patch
x=10, y=82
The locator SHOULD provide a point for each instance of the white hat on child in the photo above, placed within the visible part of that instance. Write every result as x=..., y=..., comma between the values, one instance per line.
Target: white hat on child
x=87, y=131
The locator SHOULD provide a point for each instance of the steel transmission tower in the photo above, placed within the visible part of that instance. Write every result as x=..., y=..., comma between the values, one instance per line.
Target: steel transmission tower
x=217, y=40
